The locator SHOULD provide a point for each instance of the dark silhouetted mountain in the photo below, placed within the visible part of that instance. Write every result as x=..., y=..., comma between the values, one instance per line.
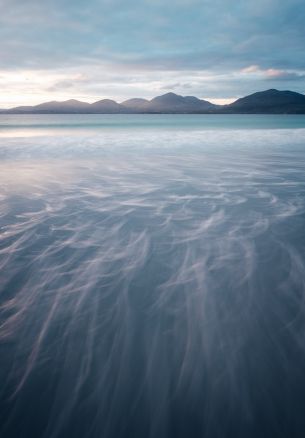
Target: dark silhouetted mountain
x=264, y=102
x=71, y=106
x=107, y=106
x=270, y=101
x=135, y=104
x=18, y=110
x=173, y=103
x=68, y=107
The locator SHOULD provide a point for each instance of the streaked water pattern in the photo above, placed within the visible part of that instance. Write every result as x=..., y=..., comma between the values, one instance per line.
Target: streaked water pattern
x=153, y=279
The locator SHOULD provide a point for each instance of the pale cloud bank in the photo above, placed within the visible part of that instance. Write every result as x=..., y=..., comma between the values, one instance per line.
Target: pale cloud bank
x=100, y=48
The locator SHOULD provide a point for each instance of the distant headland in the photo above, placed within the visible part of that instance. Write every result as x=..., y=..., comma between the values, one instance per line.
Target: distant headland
x=264, y=102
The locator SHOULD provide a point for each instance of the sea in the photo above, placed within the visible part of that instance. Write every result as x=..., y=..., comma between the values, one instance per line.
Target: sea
x=152, y=276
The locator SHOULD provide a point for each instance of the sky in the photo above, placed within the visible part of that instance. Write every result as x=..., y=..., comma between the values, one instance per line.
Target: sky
x=218, y=50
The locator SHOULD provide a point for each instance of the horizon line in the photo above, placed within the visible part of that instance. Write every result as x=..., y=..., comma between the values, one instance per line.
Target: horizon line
x=214, y=101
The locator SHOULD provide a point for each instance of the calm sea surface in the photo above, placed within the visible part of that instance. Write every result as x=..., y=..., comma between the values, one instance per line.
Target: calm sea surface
x=152, y=276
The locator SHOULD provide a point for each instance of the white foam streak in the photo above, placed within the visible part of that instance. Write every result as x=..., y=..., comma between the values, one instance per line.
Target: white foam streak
x=141, y=274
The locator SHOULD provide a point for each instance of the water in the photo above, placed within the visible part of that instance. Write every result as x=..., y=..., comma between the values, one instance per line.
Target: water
x=152, y=276
x=59, y=124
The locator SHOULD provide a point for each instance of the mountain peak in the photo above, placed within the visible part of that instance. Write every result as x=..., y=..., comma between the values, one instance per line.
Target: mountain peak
x=170, y=94
x=270, y=101
x=106, y=101
x=168, y=97
x=171, y=102
x=72, y=101
x=135, y=104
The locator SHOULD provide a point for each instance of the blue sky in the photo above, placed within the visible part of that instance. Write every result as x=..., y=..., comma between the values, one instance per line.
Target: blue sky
x=214, y=49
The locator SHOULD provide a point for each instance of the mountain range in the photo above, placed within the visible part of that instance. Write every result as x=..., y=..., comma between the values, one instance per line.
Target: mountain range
x=264, y=102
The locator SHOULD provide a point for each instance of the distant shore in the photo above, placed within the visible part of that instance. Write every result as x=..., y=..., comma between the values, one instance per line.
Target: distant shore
x=264, y=102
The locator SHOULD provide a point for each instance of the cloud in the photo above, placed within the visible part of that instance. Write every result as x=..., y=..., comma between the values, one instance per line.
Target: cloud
x=282, y=75
x=209, y=47
x=251, y=69
x=273, y=74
